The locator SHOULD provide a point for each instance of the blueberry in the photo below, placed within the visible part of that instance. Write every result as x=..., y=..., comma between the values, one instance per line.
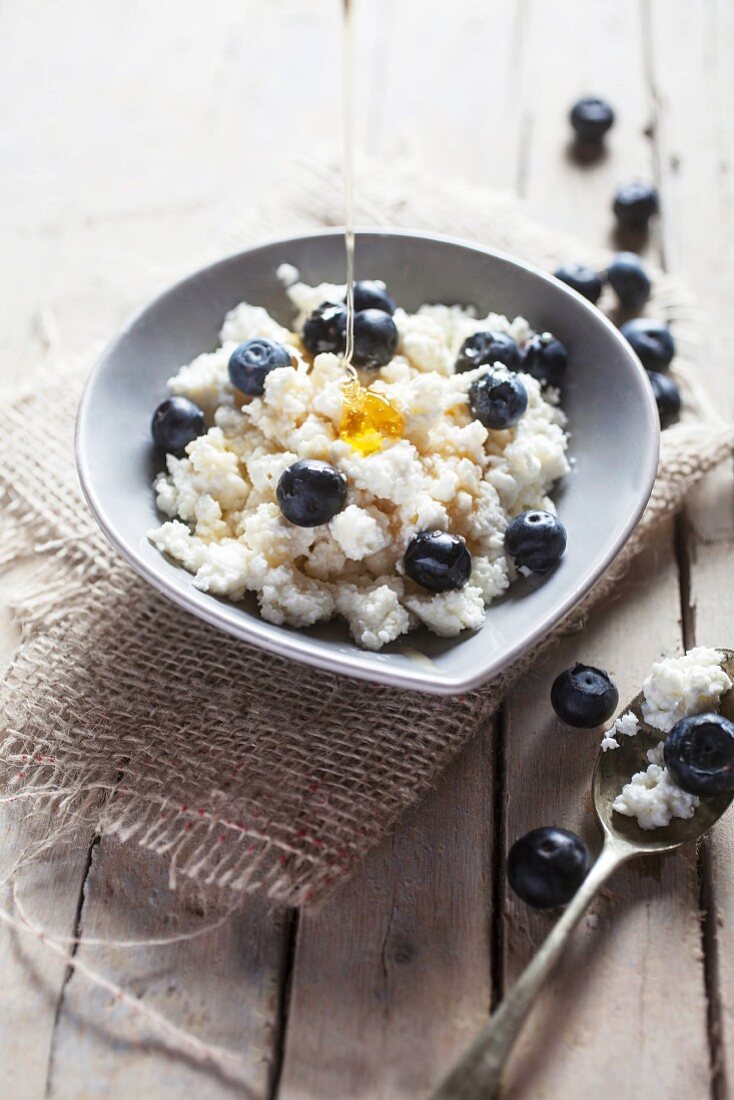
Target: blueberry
x=582, y=279
x=667, y=396
x=324, y=328
x=591, y=117
x=311, y=492
x=250, y=364
x=634, y=205
x=438, y=561
x=372, y=294
x=584, y=697
x=545, y=358
x=546, y=866
x=486, y=348
x=375, y=338
x=176, y=422
x=629, y=280
x=498, y=399
x=535, y=540
x=699, y=753
x=651, y=341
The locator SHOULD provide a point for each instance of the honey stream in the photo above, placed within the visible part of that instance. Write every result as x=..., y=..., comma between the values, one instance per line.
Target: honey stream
x=368, y=418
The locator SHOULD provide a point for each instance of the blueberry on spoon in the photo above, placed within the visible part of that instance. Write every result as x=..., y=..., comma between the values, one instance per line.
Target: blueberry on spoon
x=699, y=753
x=546, y=866
x=584, y=696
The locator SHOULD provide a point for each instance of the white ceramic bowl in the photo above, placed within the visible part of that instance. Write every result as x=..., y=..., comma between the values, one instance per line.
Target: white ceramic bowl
x=612, y=418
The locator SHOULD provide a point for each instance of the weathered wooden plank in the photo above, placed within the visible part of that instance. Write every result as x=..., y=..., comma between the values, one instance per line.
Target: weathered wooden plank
x=180, y=132
x=444, y=81
x=124, y=136
x=30, y=977
x=221, y=987
x=612, y=989
x=392, y=979
x=695, y=136
x=597, y=52
x=642, y=940
x=31, y=980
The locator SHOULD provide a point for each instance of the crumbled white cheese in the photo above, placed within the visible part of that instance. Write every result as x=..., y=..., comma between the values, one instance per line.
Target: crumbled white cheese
x=627, y=725
x=679, y=686
x=446, y=471
x=359, y=532
x=676, y=687
x=654, y=799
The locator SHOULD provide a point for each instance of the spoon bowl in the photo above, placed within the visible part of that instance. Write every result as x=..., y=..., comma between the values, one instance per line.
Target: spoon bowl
x=615, y=767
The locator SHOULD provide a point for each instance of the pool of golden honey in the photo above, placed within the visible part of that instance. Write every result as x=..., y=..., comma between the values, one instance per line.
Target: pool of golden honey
x=368, y=419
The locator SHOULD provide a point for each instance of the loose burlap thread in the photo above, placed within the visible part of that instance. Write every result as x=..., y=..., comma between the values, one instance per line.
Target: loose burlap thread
x=240, y=769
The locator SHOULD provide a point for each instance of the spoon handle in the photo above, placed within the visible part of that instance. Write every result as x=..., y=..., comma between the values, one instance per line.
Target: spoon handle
x=477, y=1075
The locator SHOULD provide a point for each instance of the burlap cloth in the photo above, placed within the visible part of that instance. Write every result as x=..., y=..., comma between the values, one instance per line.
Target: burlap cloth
x=239, y=768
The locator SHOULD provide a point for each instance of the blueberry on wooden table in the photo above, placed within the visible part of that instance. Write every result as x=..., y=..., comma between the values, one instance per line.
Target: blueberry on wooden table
x=375, y=338
x=545, y=358
x=634, y=205
x=546, y=866
x=591, y=118
x=498, y=399
x=177, y=422
x=438, y=561
x=629, y=280
x=372, y=294
x=584, y=696
x=311, y=492
x=535, y=540
x=667, y=398
x=250, y=364
x=486, y=348
x=651, y=341
x=584, y=280
x=699, y=753
x=325, y=327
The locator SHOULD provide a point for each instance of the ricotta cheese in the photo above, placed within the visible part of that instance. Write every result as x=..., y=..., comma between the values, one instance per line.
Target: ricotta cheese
x=627, y=725
x=679, y=686
x=223, y=523
x=676, y=687
x=654, y=798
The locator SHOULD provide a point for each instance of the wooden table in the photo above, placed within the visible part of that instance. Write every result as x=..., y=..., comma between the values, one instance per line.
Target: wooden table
x=132, y=132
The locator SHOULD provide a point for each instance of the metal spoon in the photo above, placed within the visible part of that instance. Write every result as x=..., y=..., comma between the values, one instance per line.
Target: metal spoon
x=478, y=1074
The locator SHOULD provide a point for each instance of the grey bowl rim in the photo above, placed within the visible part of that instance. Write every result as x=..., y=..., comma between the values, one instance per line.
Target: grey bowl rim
x=260, y=633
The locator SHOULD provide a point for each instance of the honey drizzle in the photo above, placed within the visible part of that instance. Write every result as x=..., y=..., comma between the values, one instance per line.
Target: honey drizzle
x=368, y=418
x=348, y=156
